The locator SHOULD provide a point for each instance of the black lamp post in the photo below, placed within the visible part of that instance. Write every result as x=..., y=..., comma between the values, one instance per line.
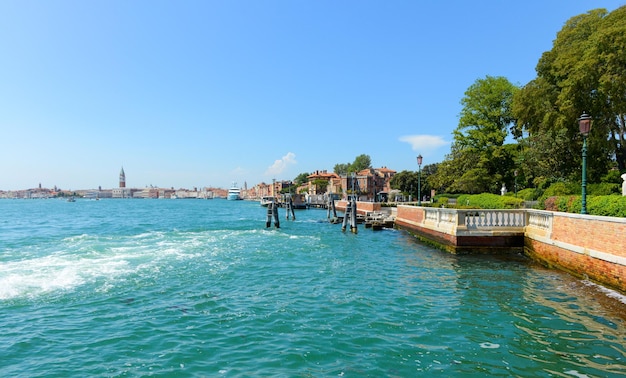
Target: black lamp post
x=419, y=180
x=584, y=122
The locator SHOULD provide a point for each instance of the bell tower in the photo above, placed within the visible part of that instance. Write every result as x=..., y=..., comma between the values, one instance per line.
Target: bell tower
x=122, y=178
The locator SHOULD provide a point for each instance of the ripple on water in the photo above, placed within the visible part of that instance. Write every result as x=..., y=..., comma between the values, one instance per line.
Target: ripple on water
x=215, y=294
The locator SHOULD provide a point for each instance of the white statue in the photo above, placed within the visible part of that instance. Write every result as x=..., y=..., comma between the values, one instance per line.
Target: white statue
x=503, y=190
x=624, y=184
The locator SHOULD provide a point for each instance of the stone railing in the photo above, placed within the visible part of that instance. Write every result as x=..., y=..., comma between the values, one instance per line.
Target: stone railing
x=475, y=219
x=490, y=219
x=540, y=219
x=440, y=216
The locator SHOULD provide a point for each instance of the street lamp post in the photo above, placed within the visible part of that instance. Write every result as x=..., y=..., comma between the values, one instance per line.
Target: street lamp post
x=419, y=179
x=584, y=122
x=515, y=173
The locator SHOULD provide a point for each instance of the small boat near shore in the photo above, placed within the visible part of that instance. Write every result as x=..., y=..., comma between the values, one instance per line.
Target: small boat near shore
x=266, y=200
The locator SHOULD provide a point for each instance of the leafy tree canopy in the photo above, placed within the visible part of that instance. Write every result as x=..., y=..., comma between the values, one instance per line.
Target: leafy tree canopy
x=407, y=181
x=479, y=161
x=301, y=179
x=360, y=163
x=584, y=71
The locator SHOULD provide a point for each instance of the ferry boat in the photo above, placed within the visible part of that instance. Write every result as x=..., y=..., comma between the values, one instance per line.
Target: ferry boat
x=234, y=193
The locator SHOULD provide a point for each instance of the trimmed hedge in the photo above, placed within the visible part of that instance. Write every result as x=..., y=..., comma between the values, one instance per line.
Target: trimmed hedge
x=488, y=201
x=610, y=206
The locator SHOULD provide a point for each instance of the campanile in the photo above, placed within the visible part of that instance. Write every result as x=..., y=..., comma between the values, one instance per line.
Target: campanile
x=122, y=178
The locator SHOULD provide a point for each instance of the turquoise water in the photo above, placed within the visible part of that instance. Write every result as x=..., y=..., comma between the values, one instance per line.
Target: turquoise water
x=195, y=288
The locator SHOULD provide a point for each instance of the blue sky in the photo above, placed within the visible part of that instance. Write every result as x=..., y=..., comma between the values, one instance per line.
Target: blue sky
x=204, y=93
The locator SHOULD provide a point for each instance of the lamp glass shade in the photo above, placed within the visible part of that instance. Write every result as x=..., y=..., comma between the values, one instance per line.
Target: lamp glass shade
x=584, y=122
x=419, y=159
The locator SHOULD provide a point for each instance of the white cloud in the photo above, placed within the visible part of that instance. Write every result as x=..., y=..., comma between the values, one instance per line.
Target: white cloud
x=281, y=164
x=424, y=142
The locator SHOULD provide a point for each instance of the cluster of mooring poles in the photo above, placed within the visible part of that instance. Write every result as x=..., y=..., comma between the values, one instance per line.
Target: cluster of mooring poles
x=272, y=212
x=350, y=216
x=330, y=208
x=289, y=206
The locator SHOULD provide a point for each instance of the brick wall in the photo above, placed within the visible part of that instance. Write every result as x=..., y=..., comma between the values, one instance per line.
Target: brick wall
x=606, y=235
x=586, y=246
x=361, y=207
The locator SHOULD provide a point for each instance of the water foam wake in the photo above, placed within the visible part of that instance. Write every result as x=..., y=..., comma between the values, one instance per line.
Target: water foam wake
x=100, y=260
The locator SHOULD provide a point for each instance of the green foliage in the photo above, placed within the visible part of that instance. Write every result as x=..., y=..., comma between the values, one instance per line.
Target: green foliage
x=360, y=163
x=613, y=176
x=603, y=189
x=562, y=190
x=407, y=181
x=584, y=71
x=486, y=114
x=301, y=179
x=529, y=194
x=613, y=206
x=479, y=161
x=341, y=169
x=488, y=201
x=559, y=189
x=320, y=185
x=610, y=206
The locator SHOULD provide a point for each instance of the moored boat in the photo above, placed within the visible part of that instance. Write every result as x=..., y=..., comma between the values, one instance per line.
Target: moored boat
x=266, y=200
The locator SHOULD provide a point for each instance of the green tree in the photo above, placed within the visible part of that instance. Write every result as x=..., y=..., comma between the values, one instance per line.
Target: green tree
x=360, y=163
x=301, y=179
x=320, y=185
x=407, y=181
x=584, y=71
x=341, y=169
x=486, y=115
x=479, y=161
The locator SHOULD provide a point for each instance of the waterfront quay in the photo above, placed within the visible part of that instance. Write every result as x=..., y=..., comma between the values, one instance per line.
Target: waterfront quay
x=586, y=246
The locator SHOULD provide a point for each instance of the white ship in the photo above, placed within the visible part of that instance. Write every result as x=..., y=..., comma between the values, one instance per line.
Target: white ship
x=234, y=193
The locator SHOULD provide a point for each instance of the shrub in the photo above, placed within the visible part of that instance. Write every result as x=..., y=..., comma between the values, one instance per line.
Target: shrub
x=529, y=194
x=559, y=189
x=442, y=201
x=488, y=201
x=610, y=206
x=550, y=203
x=613, y=176
x=603, y=189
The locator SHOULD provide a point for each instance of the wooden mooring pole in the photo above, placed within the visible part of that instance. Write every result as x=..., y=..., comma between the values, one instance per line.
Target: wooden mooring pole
x=290, y=208
x=350, y=217
x=331, y=208
x=272, y=211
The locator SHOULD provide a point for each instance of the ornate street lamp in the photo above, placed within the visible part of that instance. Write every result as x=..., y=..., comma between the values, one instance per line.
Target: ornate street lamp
x=419, y=179
x=584, y=122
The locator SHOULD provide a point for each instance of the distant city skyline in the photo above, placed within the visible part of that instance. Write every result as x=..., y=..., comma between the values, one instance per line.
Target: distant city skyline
x=204, y=93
